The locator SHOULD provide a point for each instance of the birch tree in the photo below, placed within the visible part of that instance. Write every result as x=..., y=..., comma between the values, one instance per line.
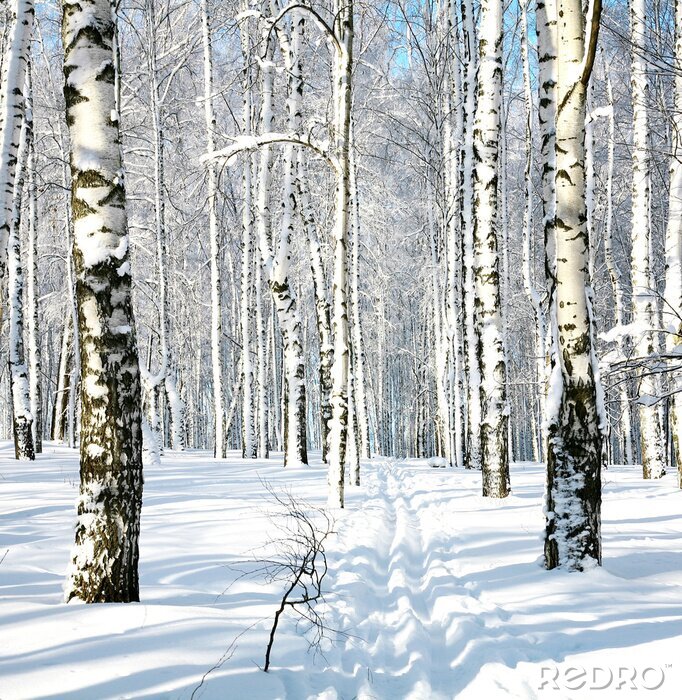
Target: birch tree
x=574, y=404
x=32, y=295
x=490, y=350
x=547, y=32
x=18, y=372
x=249, y=442
x=219, y=448
x=104, y=560
x=473, y=368
x=276, y=263
x=12, y=104
x=644, y=312
x=673, y=249
x=533, y=293
x=342, y=62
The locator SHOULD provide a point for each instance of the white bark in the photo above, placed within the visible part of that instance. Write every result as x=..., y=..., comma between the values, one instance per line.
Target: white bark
x=12, y=103
x=342, y=76
x=261, y=336
x=18, y=373
x=494, y=431
x=249, y=441
x=473, y=370
x=104, y=560
x=644, y=310
x=673, y=251
x=574, y=406
x=546, y=16
x=214, y=236
x=61, y=394
x=533, y=293
x=163, y=377
x=359, y=389
x=32, y=291
x=453, y=308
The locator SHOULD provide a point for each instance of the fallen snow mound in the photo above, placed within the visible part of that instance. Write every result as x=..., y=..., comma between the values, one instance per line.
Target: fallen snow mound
x=437, y=462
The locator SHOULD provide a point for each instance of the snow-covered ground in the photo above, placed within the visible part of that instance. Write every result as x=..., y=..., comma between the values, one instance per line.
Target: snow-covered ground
x=438, y=590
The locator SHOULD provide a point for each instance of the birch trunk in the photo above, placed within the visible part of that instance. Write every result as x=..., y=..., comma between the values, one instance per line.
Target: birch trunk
x=473, y=368
x=494, y=424
x=22, y=419
x=104, y=561
x=673, y=251
x=214, y=236
x=533, y=293
x=261, y=333
x=546, y=16
x=249, y=442
x=275, y=259
x=644, y=310
x=32, y=297
x=12, y=103
x=574, y=409
x=277, y=266
x=453, y=308
x=359, y=388
x=342, y=77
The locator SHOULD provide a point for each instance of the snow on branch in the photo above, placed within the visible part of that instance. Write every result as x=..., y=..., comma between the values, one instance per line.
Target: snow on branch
x=242, y=144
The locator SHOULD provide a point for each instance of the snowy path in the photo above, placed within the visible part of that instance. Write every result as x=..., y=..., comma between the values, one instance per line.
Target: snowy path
x=389, y=590
x=421, y=625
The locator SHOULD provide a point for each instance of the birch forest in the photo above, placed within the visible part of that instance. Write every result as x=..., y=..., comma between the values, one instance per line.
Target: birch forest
x=326, y=238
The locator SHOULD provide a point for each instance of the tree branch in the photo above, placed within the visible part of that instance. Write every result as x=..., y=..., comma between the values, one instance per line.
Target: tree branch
x=252, y=143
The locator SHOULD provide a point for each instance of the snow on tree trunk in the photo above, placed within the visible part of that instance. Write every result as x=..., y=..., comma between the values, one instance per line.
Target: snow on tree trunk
x=18, y=374
x=473, y=369
x=359, y=389
x=261, y=334
x=546, y=17
x=12, y=103
x=342, y=76
x=278, y=268
x=533, y=294
x=494, y=432
x=275, y=256
x=643, y=293
x=249, y=442
x=214, y=236
x=32, y=295
x=452, y=138
x=574, y=407
x=307, y=215
x=673, y=252
x=104, y=561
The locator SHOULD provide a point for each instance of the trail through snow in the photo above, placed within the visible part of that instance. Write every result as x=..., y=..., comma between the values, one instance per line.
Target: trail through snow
x=424, y=624
x=398, y=595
